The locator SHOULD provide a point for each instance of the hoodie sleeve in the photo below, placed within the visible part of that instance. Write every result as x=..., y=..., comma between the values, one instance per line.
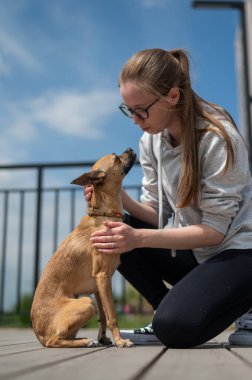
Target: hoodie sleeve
x=221, y=191
x=149, y=166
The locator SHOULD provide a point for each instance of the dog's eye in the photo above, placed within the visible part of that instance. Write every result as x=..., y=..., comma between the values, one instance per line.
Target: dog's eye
x=117, y=158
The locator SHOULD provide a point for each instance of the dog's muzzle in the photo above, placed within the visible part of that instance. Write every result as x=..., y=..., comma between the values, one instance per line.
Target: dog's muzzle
x=129, y=157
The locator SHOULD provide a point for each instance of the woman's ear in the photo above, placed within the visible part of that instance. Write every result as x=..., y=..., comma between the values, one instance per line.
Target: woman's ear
x=173, y=96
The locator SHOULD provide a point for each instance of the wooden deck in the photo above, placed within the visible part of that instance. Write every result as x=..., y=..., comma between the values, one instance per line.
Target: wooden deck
x=22, y=357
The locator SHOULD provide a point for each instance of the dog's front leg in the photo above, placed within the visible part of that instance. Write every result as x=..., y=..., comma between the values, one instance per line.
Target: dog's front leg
x=105, y=290
x=102, y=337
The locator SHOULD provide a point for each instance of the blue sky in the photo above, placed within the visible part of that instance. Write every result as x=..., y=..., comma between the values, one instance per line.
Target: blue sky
x=59, y=65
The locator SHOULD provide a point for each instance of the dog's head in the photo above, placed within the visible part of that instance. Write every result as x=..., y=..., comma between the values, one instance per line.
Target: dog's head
x=108, y=169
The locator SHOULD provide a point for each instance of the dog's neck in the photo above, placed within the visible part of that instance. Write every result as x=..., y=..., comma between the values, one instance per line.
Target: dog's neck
x=112, y=208
x=109, y=214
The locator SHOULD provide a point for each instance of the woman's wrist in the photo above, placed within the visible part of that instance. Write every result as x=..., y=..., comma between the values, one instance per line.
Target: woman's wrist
x=140, y=238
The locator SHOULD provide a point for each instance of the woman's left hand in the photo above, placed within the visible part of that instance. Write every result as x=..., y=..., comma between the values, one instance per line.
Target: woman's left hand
x=115, y=237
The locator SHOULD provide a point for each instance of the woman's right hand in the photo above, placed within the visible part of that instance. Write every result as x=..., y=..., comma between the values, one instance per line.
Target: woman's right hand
x=88, y=192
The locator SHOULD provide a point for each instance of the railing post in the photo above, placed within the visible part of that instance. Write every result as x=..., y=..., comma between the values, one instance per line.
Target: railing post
x=72, y=208
x=38, y=226
x=56, y=219
x=4, y=245
x=20, y=250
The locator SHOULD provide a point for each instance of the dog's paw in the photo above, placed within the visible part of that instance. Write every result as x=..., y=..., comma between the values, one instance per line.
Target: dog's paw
x=124, y=343
x=93, y=343
x=105, y=341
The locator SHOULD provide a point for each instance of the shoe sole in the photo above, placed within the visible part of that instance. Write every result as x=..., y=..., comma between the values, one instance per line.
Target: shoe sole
x=141, y=339
x=241, y=338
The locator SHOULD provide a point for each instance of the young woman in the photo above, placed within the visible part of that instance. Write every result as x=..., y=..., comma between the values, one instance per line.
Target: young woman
x=192, y=229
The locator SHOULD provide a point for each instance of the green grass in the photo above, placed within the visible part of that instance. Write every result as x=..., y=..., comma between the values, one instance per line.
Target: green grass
x=13, y=320
x=127, y=321
x=124, y=320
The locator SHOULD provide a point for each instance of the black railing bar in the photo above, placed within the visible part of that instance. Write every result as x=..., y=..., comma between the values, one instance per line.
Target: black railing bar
x=56, y=220
x=34, y=190
x=52, y=189
x=38, y=226
x=50, y=165
x=72, y=208
x=20, y=249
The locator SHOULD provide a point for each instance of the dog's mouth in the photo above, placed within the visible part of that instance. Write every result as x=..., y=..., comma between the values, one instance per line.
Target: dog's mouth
x=129, y=158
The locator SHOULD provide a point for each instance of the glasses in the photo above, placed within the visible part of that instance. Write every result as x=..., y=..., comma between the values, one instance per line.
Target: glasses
x=140, y=112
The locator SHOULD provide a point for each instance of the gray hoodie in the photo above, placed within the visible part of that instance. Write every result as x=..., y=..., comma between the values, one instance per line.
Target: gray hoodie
x=226, y=199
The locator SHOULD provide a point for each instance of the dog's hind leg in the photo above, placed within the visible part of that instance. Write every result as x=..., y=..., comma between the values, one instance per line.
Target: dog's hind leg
x=72, y=315
x=102, y=337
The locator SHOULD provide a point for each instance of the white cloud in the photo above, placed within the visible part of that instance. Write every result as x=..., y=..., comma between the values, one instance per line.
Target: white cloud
x=12, y=47
x=68, y=113
x=73, y=113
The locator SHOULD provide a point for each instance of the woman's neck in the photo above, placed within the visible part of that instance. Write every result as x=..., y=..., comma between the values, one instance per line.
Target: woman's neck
x=175, y=132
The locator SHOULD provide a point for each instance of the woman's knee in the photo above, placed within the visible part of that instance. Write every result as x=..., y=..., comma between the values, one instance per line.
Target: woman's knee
x=177, y=330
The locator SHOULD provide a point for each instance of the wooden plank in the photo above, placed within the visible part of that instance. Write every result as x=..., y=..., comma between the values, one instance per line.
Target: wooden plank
x=11, y=349
x=210, y=361
x=199, y=363
x=243, y=353
x=23, y=363
x=16, y=336
x=112, y=363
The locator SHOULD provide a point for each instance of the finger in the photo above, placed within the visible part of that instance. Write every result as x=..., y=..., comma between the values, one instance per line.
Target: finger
x=105, y=244
x=88, y=190
x=108, y=251
x=102, y=239
x=112, y=224
x=108, y=248
x=103, y=232
x=88, y=193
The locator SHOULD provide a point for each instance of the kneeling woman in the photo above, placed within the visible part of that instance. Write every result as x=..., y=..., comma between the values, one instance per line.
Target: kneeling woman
x=195, y=166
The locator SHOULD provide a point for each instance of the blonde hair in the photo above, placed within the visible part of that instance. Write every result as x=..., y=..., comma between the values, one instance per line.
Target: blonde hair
x=157, y=71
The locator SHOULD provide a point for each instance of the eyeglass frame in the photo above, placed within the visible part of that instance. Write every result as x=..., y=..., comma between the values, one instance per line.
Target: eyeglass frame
x=123, y=106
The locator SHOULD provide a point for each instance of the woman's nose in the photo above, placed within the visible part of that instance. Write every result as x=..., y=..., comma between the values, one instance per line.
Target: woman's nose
x=136, y=119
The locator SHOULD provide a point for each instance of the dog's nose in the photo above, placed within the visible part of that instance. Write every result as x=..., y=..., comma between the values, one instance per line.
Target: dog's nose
x=129, y=150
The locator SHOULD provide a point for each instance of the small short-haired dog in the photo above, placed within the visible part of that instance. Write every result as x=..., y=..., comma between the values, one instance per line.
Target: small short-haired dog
x=79, y=268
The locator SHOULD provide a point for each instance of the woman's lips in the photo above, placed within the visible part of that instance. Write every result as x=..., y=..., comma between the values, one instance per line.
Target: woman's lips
x=145, y=129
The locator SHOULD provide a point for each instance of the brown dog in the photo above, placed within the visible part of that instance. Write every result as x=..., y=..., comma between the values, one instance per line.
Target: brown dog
x=78, y=268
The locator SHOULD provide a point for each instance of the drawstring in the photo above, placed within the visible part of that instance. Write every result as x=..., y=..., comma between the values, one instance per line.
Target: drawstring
x=175, y=225
x=160, y=189
x=160, y=196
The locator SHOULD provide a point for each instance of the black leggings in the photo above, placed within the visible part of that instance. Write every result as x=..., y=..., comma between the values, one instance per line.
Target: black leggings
x=204, y=299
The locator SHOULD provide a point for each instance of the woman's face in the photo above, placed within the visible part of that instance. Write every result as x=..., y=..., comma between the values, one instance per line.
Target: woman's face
x=162, y=113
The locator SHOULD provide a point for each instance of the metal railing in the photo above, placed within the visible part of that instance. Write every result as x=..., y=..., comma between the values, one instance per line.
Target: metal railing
x=25, y=213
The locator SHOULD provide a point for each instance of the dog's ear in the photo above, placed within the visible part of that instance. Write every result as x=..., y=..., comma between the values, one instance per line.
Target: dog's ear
x=94, y=177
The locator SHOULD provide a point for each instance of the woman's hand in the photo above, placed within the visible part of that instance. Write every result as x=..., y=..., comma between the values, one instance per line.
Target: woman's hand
x=88, y=192
x=115, y=237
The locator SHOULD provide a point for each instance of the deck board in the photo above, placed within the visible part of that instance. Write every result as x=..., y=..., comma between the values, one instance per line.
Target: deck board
x=22, y=357
x=111, y=363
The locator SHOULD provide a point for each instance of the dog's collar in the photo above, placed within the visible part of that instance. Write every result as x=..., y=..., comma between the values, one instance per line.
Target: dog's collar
x=110, y=214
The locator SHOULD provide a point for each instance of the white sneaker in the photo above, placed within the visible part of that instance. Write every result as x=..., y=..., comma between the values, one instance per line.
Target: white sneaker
x=141, y=336
x=243, y=334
